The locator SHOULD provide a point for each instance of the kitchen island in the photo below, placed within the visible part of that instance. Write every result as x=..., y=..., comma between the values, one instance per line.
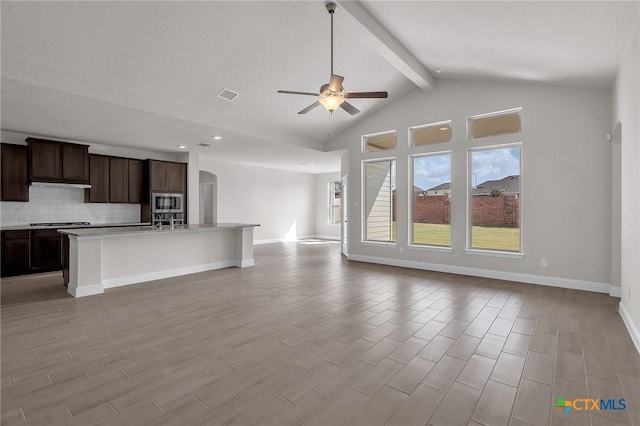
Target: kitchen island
x=113, y=257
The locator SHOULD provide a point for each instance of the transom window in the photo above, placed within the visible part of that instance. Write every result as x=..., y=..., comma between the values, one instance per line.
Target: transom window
x=430, y=133
x=495, y=123
x=379, y=142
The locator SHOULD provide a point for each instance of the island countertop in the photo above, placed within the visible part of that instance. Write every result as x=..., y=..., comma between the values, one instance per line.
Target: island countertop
x=132, y=230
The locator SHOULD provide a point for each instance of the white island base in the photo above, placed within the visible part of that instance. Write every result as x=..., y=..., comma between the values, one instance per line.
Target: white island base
x=105, y=258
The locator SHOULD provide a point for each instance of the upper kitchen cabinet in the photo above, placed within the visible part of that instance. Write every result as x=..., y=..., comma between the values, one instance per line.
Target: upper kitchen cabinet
x=167, y=176
x=136, y=181
x=14, y=180
x=119, y=180
x=53, y=161
x=99, y=180
x=75, y=163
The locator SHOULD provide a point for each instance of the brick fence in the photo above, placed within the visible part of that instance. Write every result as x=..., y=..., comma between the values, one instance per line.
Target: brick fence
x=487, y=211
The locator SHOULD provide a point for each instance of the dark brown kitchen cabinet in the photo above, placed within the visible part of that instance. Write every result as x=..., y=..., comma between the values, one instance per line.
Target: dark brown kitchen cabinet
x=15, y=173
x=16, y=246
x=176, y=177
x=46, y=250
x=167, y=176
x=75, y=163
x=99, y=180
x=118, y=180
x=46, y=160
x=53, y=161
x=136, y=181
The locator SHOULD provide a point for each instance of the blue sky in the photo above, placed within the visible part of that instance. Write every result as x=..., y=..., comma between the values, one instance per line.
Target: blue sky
x=487, y=165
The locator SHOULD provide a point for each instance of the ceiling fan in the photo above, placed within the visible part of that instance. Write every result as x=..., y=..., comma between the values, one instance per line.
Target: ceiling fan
x=332, y=94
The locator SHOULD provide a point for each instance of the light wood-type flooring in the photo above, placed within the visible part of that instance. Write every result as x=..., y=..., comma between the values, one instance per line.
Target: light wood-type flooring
x=308, y=338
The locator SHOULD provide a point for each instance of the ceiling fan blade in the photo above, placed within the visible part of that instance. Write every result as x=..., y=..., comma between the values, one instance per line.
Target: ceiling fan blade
x=335, y=84
x=309, y=108
x=290, y=92
x=354, y=95
x=349, y=108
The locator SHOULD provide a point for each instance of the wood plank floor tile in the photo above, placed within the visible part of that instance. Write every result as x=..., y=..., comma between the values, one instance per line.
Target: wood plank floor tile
x=345, y=342
x=495, y=404
x=477, y=371
x=457, y=406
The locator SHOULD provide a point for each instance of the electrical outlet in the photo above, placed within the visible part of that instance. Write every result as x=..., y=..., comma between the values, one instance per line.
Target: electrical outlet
x=401, y=250
x=543, y=263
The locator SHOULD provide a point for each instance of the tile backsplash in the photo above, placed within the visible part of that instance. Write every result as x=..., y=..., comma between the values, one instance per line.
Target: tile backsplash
x=64, y=205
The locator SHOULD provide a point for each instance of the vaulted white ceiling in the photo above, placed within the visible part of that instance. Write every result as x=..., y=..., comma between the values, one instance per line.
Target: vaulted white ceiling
x=146, y=74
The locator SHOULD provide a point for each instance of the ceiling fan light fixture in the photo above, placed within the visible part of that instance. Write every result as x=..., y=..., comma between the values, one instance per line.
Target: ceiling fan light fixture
x=332, y=102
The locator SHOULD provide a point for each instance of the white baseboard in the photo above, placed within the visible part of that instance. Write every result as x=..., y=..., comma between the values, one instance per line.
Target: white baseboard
x=85, y=290
x=268, y=241
x=631, y=326
x=326, y=237
x=301, y=238
x=615, y=291
x=488, y=273
x=167, y=273
x=244, y=263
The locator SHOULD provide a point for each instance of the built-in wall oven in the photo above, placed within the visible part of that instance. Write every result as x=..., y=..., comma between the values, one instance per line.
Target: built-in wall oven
x=166, y=209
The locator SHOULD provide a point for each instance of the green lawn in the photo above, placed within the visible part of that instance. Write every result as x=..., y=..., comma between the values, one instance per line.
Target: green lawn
x=483, y=237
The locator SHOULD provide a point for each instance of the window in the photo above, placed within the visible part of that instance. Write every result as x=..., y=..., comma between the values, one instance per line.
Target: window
x=431, y=200
x=430, y=133
x=335, y=201
x=379, y=142
x=379, y=200
x=495, y=123
x=495, y=195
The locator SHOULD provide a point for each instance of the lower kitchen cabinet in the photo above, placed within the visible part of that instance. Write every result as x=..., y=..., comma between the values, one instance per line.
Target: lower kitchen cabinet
x=46, y=250
x=16, y=248
x=25, y=251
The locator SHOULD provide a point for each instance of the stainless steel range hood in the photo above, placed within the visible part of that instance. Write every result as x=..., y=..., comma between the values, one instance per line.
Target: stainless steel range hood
x=61, y=185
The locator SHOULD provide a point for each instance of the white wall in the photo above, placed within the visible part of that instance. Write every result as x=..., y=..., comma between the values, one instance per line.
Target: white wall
x=566, y=166
x=281, y=202
x=626, y=111
x=323, y=229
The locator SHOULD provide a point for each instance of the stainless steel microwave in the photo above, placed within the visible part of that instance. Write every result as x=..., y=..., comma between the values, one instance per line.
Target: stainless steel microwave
x=166, y=203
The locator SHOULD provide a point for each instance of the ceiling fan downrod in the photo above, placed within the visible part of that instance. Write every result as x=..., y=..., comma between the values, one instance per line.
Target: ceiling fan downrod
x=331, y=7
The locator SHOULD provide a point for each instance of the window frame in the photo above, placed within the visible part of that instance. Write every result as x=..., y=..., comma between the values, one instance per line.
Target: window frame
x=363, y=201
x=485, y=251
x=411, y=243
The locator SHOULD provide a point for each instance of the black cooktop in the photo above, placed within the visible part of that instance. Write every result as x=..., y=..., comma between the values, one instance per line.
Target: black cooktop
x=59, y=224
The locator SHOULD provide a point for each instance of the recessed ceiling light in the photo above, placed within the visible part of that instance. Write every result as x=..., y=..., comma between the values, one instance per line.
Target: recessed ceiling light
x=182, y=146
x=216, y=137
x=438, y=70
x=444, y=128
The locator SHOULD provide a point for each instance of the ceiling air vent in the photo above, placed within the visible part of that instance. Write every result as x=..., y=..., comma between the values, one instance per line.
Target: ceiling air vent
x=204, y=144
x=228, y=94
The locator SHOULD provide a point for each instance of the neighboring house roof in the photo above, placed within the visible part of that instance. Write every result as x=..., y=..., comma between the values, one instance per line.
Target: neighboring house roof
x=417, y=189
x=442, y=186
x=506, y=185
